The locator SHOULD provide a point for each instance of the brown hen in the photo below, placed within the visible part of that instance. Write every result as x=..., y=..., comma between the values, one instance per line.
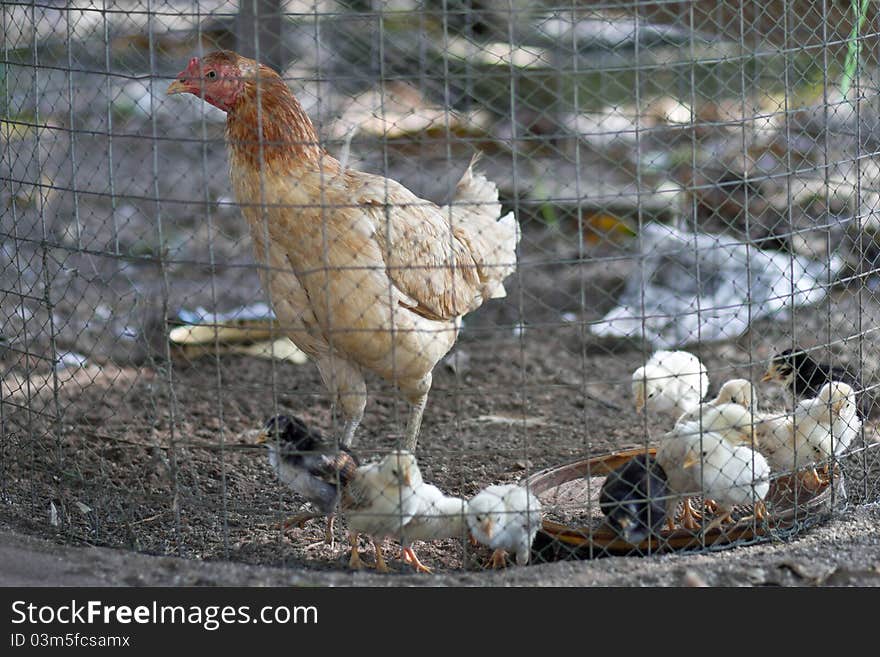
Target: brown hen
x=363, y=274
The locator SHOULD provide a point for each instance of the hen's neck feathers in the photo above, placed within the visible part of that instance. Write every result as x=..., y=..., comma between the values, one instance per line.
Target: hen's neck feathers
x=270, y=125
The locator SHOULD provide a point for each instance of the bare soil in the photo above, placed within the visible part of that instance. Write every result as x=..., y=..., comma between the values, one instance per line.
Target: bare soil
x=157, y=458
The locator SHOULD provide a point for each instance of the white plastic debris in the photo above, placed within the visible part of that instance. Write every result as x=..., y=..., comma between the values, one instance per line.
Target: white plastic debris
x=201, y=315
x=690, y=287
x=70, y=359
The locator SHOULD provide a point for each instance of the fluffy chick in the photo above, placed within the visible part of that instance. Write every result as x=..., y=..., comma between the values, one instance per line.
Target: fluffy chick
x=380, y=500
x=633, y=498
x=732, y=422
x=310, y=466
x=736, y=391
x=731, y=475
x=505, y=517
x=819, y=428
x=438, y=516
x=674, y=452
x=805, y=376
x=672, y=382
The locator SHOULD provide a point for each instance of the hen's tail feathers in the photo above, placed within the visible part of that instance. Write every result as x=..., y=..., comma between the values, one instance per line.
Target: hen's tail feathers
x=475, y=213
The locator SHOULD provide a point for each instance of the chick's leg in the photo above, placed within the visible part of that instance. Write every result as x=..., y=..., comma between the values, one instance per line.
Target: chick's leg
x=328, y=533
x=498, y=559
x=688, y=517
x=409, y=556
x=299, y=520
x=354, y=562
x=381, y=566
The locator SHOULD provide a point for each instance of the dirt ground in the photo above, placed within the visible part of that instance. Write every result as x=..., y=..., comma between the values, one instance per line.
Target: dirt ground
x=843, y=552
x=158, y=458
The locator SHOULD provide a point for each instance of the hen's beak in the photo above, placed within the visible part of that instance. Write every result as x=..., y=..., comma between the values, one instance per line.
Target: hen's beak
x=770, y=374
x=262, y=437
x=624, y=522
x=690, y=462
x=407, y=480
x=177, y=87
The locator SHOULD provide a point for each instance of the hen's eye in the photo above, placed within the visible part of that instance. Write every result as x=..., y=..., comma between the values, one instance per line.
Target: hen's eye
x=211, y=74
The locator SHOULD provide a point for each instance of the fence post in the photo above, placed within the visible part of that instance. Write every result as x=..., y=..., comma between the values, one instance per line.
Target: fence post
x=260, y=22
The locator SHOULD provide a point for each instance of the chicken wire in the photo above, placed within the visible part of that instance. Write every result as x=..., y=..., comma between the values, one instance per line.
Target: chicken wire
x=688, y=175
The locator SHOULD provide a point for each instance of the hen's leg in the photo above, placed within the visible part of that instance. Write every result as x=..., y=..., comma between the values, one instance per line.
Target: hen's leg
x=348, y=429
x=348, y=392
x=414, y=424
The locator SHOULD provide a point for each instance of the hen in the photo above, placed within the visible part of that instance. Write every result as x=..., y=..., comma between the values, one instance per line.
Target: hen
x=363, y=274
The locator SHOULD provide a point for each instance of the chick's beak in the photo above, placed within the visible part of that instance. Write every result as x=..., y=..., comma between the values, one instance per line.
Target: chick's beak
x=177, y=87
x=486, y=526
x=770, y=374
x=640, y=401
x=262, y=438
x=624, y=522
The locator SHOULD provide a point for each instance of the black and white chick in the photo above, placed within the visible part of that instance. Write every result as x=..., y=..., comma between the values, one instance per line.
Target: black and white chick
x=309, y=465
x=633, y=498
x=804, y=376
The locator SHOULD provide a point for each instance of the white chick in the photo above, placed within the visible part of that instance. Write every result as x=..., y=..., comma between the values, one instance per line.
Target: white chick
x=832, y=418
x=672, y=382
x=676, y=449
x=379, y=500
x=437, y=517
x=722, y=475
x=732, y=421
x=505, y=517
x=818, y=429
x=731, y=475
x=736, y=391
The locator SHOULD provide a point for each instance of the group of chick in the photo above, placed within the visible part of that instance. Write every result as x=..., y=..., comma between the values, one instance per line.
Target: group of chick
x=388, y=498
x=726, y=449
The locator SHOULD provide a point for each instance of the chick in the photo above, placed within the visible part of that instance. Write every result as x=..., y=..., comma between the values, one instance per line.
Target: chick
x=633, y=498
x=311, y=467
x=505, y=517
x=819, y=428
x=674, y=452
x=672, y=382
x=732, y=421
x=380, y=500
x=805, y=376
x=731, y=475
x=736, y=391
x=437, y=517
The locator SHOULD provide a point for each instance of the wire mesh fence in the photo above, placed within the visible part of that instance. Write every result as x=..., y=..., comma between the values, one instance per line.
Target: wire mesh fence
x=654, y=177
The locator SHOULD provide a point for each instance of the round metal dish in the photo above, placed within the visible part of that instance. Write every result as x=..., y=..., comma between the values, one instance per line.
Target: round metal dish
x=573, y=490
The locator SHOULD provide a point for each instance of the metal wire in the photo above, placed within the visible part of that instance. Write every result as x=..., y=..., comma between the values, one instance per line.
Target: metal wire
x=600, y=122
